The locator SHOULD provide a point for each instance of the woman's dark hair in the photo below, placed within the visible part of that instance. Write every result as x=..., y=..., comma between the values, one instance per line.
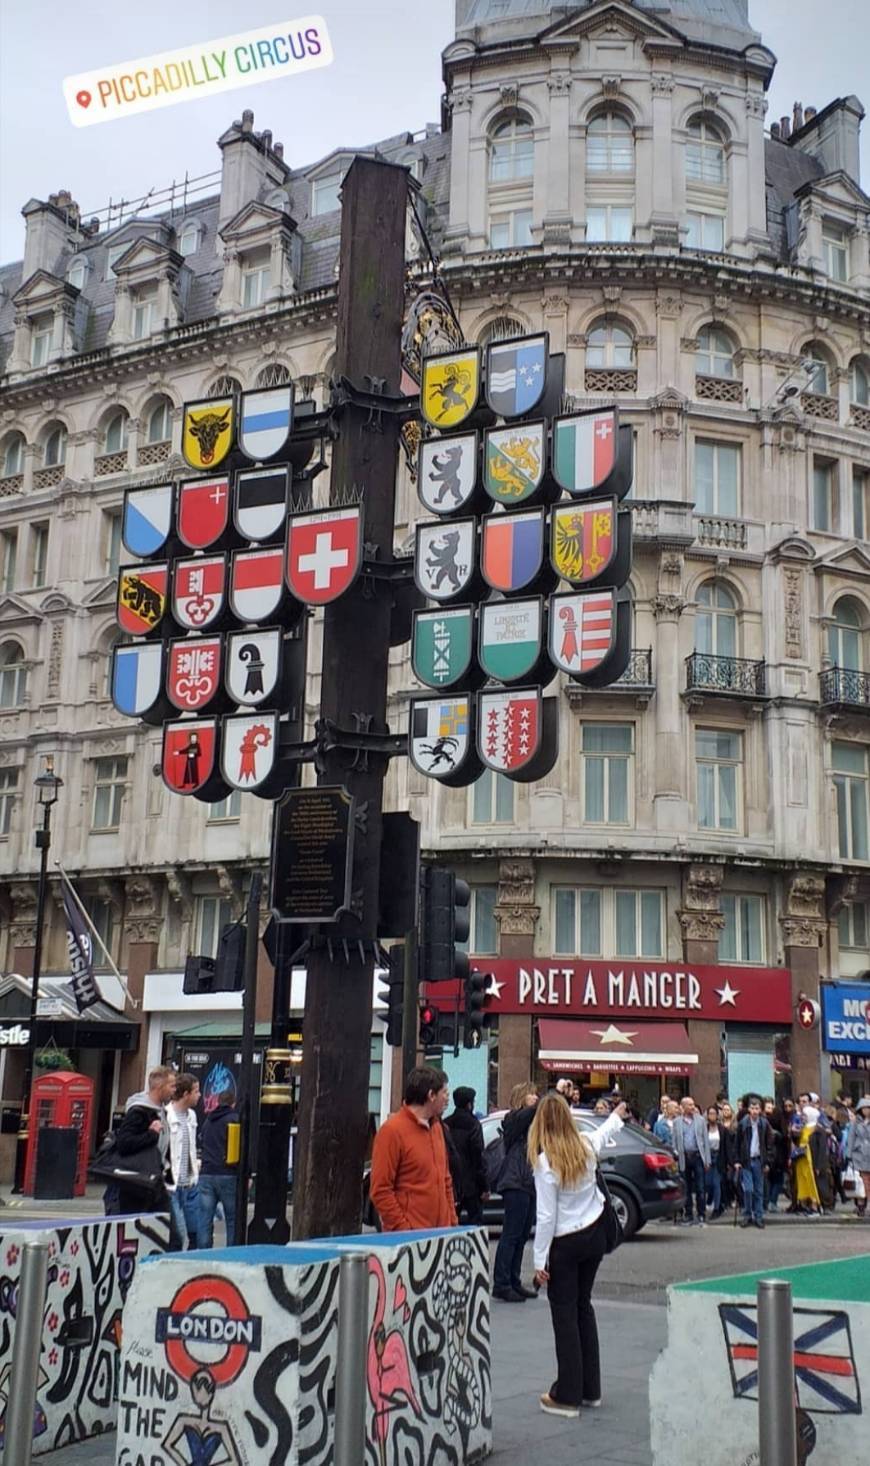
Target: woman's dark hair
x=420, y=1082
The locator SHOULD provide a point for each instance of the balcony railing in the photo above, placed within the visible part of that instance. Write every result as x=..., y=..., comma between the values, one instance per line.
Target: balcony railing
x=842, y=687
x=610, y=379
x=718, y=389
x=859, y=417
x=713, y=529
x=818, y=404
x=736, y=675
x=638, y=673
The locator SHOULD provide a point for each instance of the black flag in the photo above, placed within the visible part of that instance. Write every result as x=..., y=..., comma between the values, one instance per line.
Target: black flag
x=81, y=953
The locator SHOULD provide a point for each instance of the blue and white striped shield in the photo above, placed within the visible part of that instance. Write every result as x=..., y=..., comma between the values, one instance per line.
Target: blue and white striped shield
x=137, y=677
x=147, y=520
x=266, y=422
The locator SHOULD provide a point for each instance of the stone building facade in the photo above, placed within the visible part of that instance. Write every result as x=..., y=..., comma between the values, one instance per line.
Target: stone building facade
x=606, y=172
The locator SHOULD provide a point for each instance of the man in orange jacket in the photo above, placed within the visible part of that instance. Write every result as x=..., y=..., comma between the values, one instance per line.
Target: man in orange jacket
x=410, y=1185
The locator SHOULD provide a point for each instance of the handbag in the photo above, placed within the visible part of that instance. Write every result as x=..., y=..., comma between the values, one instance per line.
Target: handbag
x=853, y=1183
x=613, y=1233
x=136, y=1171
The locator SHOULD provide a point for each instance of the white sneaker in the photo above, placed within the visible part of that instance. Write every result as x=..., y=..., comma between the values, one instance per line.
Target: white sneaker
x=552, y=1407
x=593, y=1404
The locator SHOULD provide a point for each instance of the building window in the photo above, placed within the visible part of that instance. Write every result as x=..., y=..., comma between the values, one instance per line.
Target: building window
x=716, y=621
x=859, y=378
x=8, y=557
x=511, y=230
x=609, y=144
x=638, y=923
x=823, y=495
x=854, y=925
x=224, y=387
x=850, y=782
x=188, y=240
x=102, y=915
x=492, y=799
x=817, y=369
x=705, y=231
x=482, y=925
x=256, y=274
x=607, y=751
x=844, y=636
x=714, y=354
x=512, y=151
x=8, y=796
x=742, y=937
x=13, y=676
x=610, y=224
x=143, y=314
x=226, y=809
x=835, y=249
x=719, y=760
x=860, y=485
x=609, y=345
x=115, y=440
x=54, y=449
x=110, y=776
x=111, y=540
x=325, y=192
x=588, y=922
x=717, y=478
x=159, y=424
x=77, y=274
x=41, y=335
x=576, y=922
x=212, y=915
x=13, y=456
x=705, y=154
x=276, y=374
x=38, y=554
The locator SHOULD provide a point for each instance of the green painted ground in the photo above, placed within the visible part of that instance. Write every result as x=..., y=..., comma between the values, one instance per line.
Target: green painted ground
x=847, y=1280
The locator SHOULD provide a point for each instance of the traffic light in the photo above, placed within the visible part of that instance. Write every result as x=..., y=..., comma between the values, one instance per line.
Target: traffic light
x=476, y=985
x=428, y=1026
x=392, y=996
x=444, y=921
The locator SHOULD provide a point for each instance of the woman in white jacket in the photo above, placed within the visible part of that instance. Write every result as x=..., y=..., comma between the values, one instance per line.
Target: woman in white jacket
x=569, y=1246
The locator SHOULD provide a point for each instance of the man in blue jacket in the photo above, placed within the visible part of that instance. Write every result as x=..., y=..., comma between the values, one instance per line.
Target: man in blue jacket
x=692, y=1145
x=755, y=1154
x=217, y=1175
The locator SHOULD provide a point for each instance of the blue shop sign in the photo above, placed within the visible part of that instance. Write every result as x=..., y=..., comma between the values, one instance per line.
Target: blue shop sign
x=846, y=1017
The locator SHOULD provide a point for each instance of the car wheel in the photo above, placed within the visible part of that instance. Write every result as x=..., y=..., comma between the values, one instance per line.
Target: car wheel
x=626, y=1209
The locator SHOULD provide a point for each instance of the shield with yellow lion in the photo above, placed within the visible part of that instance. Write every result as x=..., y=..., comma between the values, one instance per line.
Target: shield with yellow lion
x=514, y=460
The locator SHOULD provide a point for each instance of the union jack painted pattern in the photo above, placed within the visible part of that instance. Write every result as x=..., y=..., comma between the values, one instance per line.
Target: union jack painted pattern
x=825, y=1376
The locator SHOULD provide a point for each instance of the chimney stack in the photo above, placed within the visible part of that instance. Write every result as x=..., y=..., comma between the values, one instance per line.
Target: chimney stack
x=797, y=116
x=52, y=229
x=809, y=114
x=250, y=167
x=784, y=129
x=775, y=131
x=247, y=120
x=278, y=150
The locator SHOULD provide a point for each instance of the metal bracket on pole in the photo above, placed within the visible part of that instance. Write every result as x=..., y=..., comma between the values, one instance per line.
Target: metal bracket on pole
x=27, y=1345
x=373, y=399
x=777, y=1427
x=350, y=1360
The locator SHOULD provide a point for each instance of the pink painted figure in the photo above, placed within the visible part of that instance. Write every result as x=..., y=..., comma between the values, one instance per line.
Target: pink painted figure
x=388, y=1368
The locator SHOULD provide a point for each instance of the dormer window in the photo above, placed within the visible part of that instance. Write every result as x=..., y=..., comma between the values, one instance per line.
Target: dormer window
x=77, y=273
x=144, y=302
x=256, y=271
x=835, y=249
x=41, y=337
x=325, y=194
x=188, y=240
x=114, y=254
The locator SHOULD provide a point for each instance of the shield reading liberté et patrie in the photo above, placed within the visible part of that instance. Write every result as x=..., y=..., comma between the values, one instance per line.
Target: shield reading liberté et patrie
x=189, y=749
x=257, y=583
x=248, y=748
x=198, y=591
x=441, y=645
x=439, y=735
x=444, y=558
x=516, y=374
x=584, y=449
x=260, y=502
x=193, y=672
x=137, y=677
x=207, y=431
x=513, y=462
x=509, y=638
x=583, y=539
x=509, y=728
x=147, y=519
x=203, y=511
x=447, y=472
x=253, y=662
x=450, y=387
x=512, y=549
x=582, y=629
x=324, y=553
x=141, y=597
x=265, y=421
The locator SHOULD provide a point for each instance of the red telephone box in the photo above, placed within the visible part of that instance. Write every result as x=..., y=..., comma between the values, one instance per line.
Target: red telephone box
x=61, y=1099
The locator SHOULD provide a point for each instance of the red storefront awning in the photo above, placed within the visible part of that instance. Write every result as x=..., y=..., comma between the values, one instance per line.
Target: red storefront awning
x=615, y=1046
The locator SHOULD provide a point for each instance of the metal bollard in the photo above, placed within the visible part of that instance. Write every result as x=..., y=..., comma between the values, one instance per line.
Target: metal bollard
x=777, y=1432
x=350, y=1364
x=25, y=1353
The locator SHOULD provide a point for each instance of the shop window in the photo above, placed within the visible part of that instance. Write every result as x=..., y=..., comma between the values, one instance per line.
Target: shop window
x=110, y=783
x=835, y=250
x=226, y=809
x=844, y=635
x=608, y=773
x=211, y=915
x=492, y=799
x=13, y=676
x=716, y=621
x=719, y=759
x=638, y=923
x=850, y=782
x=742, y=937
x=8, y=797
x=483, y=927
x=714, y=354
x=854, y=925
x=823, y=495
x=576, y=922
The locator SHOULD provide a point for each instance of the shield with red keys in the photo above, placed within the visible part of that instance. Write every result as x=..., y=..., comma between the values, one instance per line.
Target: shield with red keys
x=257, y=584
x=324, y=550
x=189, y=750
x=141, y=598
x=193, y=676
x=203, y=511
x=199, y=591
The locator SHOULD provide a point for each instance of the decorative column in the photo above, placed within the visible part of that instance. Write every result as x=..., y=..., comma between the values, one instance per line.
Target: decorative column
x=669, y=800
x=663, y=217
x=22, y=926
x=701, y=922
x=459, y=103
x=804, y=926
x=142, y=925
x=557, y=219
x=517, y=917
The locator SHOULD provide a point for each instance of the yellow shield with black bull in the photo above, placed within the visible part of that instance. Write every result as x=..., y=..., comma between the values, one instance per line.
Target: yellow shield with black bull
x=450, y=387
x=208, y=431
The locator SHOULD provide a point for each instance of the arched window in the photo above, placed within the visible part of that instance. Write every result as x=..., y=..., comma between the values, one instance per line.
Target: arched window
x=116, y=433
x=859, y=378
x=503, y=328
x=818, y=368
x=609, y=144
x=511, y=150
x=159, y=428
x=273, y=375
x=13, y=676
x=224, y=387
x=716, y=621
x=844, y=636
x=54, y=446
x=714, y=356
x=13, y=455
x=705, y=153
x=609, y=345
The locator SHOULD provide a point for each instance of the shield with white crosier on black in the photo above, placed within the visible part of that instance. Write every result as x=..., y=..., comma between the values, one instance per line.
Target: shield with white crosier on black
x=253, y=665
x=199, y=591
x=193, y=673
x=147, y=519
x=440, y=735
x=249, y=746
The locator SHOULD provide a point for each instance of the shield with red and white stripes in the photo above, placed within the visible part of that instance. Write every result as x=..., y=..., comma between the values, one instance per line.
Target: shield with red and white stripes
x=257, y=584
x=582, y=630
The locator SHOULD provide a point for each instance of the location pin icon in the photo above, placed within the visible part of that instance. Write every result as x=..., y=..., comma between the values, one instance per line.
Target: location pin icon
x=83, y=99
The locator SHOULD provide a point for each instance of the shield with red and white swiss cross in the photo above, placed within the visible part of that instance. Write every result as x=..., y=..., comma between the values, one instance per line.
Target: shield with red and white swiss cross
x=509, y=728
x=324, y=553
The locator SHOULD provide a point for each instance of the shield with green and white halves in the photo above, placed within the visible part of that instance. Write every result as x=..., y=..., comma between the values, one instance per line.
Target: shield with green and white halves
x=513, y=462
x=441, y=645
x=510, y=638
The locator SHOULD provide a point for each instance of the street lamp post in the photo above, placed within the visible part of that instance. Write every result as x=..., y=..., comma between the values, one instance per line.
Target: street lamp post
x=48, y=786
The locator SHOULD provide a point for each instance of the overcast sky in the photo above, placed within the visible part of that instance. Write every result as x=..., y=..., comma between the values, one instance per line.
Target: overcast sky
x=386, y=78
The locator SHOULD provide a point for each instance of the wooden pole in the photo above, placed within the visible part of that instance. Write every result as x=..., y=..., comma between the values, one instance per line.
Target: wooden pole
x=333, y=1112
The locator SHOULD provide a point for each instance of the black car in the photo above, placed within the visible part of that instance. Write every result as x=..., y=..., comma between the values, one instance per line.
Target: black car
x=642, y=1174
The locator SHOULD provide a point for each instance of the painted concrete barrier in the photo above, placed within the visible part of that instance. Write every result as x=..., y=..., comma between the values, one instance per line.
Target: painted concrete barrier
x=229, y=1355
x=92, y=1262
x=704, y=1385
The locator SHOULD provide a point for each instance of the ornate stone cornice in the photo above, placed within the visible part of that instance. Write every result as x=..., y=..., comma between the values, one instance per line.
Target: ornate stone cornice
x=701, y=926
x=22, y=921
x=800, y=932
x=516, y=912
x=804, y=922
x=668, y=607
x=143, y=919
